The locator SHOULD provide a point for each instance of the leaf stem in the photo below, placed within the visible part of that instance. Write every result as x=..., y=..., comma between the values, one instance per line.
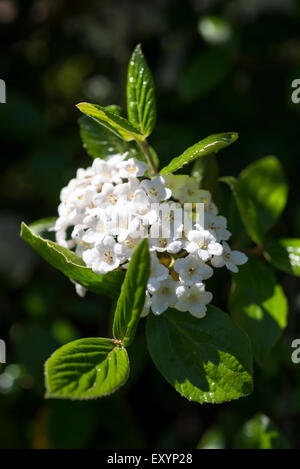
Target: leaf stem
x=144, y=146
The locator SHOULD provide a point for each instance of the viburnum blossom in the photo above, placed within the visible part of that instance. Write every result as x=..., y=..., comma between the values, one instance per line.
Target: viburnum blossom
x=107, y=209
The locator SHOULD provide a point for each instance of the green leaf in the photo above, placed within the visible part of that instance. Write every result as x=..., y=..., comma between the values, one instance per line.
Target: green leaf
x=260, y=433
x=86, y=369
x=110, y=120
x=265, y=183
x=41, y=226
x=206, y=360
x=258, y=304
x=285, y=255
x=141, y=103
x=131, y=301
x=211, y=144
x=98, y=141
x=72, y=265
x=102, y=143
x=247, y=209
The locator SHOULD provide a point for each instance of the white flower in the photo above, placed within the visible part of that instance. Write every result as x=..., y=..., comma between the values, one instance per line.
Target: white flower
x=166, y=232
x=141, y=206
x=191, y=270
x=158, y=273
x=125, y=248
x=132, y=168
x=168, y=220
x=80, y=290
x=128, y=189
x=122, y=220
x=211, y=208
x=193, y=299
x=202, y=196
x=203, y=243
x=229, y=258
x=81, y=197
x=217, y=225
x=102, y=258
x=190, y=192
x=61, y=238
x=164, y=296
x=107, y=171
x=84, y=176
x=106, y=210
x=114, y=161
x=128, y=226
x=95, y=227
x=156, y=189
x=171, y=245
x=107, y=196
x=147, y=305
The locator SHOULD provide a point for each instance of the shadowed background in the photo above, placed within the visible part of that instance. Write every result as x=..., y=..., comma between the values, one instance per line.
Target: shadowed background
x=218, y=66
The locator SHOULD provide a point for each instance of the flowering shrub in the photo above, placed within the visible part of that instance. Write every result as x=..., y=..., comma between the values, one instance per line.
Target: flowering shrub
x=152, y=239
x=110, y=209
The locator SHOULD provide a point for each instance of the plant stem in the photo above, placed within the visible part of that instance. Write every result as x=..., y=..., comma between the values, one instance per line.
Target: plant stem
x=144, y=146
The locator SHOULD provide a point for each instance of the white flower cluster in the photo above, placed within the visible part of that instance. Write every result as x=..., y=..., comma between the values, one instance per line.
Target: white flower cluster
x=115, y=190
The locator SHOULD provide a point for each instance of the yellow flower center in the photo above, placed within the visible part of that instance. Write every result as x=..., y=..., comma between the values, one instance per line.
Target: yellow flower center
x=163, y=242
x=131, y=243
x=153, y=192
x=108, y=257
x=202, y=244
x=131, y=169
x=112, y=199
x=192, y=298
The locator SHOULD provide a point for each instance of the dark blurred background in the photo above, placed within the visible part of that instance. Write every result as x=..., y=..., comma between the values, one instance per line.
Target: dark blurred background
x=218, y=66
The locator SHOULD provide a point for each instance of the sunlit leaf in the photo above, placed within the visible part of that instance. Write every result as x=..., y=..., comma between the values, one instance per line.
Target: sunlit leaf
x=86, y=369
x=206, y=360
x=141, y=103
x=132, y=298
x=209, y=145
x=71, y=265
x=112, y=121
x=102, y=143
